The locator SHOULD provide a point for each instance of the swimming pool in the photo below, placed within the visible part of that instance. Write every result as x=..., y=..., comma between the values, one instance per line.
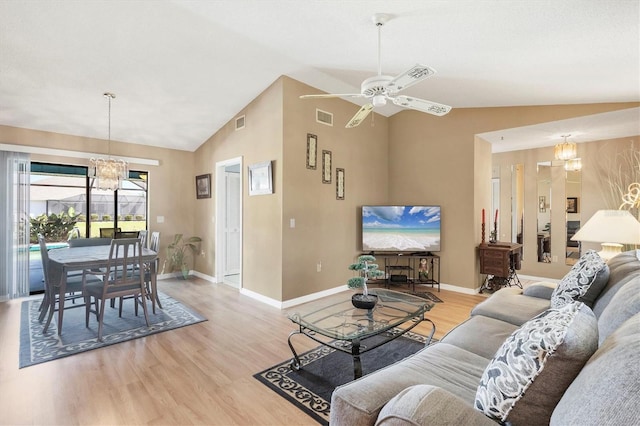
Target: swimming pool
x=36, y=247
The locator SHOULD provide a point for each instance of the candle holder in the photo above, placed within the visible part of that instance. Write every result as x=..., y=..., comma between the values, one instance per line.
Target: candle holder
x=483, y=232
x=493, y=237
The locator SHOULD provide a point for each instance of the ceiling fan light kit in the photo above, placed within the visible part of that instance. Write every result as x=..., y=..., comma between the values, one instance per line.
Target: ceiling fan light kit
x=382, y=88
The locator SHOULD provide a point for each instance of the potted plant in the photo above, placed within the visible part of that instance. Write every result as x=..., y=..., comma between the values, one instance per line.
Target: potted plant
x=178, y=253
x=366, y=270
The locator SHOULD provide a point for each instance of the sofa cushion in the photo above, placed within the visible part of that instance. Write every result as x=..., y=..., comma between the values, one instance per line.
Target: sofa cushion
x=446, y=366
x=623, y=305
x=606, y=392
x=429, y=405
x=584, y=282
x=530, y=372
x=623, y=268
x=509, y=305
x=494, y=332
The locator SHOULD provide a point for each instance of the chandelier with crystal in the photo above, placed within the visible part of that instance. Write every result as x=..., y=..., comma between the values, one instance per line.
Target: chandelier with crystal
x=109, y=172
x=565, y=151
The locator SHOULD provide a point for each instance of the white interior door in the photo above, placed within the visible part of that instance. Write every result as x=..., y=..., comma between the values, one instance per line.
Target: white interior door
x=228, y=221
x=232, y=223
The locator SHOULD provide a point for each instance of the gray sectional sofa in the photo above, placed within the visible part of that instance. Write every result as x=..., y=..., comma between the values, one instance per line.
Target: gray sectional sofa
x=582, y=358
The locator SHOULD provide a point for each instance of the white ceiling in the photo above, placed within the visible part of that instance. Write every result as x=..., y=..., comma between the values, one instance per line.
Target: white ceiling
x=182, y=69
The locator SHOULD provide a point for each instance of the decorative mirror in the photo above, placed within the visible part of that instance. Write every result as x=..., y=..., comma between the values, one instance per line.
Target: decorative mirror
x=573, y=189
x=544, y=212
x=517, y=203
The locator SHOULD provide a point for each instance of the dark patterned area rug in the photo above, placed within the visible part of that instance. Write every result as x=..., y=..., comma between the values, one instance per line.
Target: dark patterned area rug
x=426, y=295
x=36, y=347
x=324, y=368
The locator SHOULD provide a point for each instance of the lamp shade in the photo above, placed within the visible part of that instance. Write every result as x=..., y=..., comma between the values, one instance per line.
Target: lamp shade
x=612, y=228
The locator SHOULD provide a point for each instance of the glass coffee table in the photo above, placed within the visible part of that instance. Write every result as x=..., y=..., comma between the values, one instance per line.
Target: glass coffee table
x=348, y=329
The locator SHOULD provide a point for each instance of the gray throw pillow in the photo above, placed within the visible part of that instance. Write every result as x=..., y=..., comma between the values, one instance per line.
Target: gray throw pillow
x=535, y=365
x=584, y=282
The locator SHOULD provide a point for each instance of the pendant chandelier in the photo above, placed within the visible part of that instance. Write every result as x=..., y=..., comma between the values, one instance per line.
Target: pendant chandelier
x=566, y=150
x=109, y=173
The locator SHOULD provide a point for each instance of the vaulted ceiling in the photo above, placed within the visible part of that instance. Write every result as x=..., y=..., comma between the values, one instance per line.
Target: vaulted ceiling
x=182, y=69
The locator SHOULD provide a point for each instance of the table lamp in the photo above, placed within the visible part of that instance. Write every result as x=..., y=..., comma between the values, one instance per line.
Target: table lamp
x=611, y=228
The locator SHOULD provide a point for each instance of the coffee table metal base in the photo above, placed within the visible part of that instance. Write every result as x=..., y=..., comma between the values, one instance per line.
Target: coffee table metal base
x=355, y=346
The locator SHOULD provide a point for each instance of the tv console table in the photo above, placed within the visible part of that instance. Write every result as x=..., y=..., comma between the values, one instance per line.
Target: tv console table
x=404, y=268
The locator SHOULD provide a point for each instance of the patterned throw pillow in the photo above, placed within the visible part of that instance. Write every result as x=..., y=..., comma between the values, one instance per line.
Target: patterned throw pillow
x=558, y=341
x=584, y=282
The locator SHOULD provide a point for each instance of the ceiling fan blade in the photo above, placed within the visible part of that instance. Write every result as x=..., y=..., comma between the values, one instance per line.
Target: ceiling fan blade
x=413, y=75
x=360, y=116
x=421, y=105
x=333, y=95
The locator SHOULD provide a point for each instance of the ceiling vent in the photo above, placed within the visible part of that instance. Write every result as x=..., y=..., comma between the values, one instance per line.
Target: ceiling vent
x=240, y=122
x=324, y=117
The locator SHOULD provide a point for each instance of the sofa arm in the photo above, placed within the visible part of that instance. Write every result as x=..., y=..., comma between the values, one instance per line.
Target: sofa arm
x=430, y=405
x=542, y=290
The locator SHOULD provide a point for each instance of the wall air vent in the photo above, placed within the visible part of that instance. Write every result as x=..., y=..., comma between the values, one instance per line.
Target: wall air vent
x=240, y=122
x=324, y=117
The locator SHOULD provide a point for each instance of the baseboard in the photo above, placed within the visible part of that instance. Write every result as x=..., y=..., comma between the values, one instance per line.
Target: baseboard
x=292, y=302
x=192, y=272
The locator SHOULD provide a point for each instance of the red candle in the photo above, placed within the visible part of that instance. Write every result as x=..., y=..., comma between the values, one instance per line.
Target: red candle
x=483, y=216
x=496, y=219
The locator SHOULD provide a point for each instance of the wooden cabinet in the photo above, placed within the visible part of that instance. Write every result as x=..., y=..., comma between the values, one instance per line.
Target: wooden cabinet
x=500, y=260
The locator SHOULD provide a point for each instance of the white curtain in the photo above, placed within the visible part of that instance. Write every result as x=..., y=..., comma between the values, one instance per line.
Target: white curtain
x=14, y=225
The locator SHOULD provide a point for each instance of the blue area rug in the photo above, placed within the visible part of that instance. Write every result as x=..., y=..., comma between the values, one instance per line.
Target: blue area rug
x=36, y=347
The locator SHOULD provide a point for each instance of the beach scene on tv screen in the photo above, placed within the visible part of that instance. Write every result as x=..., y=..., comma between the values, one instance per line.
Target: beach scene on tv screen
x=401, y=228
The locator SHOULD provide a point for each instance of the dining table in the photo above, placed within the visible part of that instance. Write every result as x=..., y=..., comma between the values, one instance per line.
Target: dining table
x=65, y=260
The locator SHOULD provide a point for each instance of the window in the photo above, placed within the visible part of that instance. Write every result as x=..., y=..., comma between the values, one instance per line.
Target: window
x=64, y=194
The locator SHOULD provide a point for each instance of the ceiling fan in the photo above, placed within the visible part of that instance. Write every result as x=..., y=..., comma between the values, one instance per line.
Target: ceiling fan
x=382, y=88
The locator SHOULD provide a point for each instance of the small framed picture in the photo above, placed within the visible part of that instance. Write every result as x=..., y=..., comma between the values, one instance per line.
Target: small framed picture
x=572, y=204
x=203, y=186
x=542, y=204
x=312, y=151
x=326, y=166
x=339, y=184
x=260, y=178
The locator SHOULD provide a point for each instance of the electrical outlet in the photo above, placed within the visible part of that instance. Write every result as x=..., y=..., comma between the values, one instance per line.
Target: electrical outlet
x=319, y=267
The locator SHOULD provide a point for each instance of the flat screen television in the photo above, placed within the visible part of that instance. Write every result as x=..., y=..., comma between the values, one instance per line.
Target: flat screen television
x=400, y=228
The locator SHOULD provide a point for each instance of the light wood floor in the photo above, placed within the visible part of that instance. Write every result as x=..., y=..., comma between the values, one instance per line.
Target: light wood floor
x=200, y=374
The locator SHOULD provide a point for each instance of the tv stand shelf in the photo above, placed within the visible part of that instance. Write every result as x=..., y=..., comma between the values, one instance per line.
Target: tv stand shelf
x=407, y=269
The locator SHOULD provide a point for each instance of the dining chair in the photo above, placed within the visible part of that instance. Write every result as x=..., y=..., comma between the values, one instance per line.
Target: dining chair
x=154, y=244
x=51, y=289
x=126, y=234
x=142, y=234
x=86, y=242
x=109, y=232
x=121, y=278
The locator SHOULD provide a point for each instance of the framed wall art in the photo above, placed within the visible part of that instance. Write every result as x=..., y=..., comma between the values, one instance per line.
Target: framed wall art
x=312, y=151
x=260, y=178
x=339, y=184
x=203, y=186
x=572, y=204
x=326, y=166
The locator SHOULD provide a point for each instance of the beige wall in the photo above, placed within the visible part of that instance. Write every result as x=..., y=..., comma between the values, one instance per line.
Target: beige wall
x=436, y=160
x=408, y=158
x=592, y=196
x=260, y=140
x=171, y=184
x=327, y=230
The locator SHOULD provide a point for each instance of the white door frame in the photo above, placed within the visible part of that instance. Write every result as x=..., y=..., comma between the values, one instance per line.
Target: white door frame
x=220, y=217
